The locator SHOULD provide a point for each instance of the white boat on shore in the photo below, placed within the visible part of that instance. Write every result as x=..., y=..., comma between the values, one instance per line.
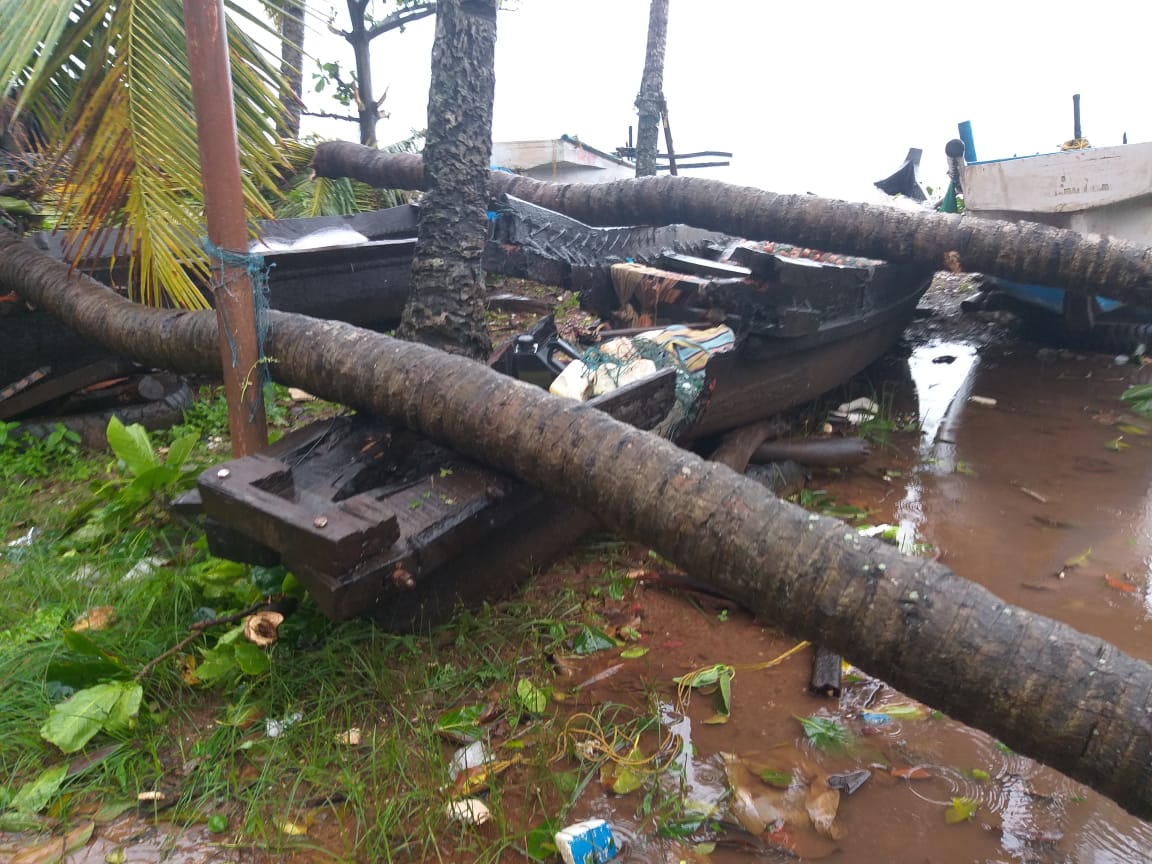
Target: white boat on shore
x=1091, y=190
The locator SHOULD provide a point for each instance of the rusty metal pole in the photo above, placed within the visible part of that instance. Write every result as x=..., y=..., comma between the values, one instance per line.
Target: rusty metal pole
x=204, y=26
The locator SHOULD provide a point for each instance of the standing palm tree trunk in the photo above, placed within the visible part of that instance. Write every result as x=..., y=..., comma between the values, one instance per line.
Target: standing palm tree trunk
x=650, y=100
x=291, y=27
x=446, y=306
x=1048, y=691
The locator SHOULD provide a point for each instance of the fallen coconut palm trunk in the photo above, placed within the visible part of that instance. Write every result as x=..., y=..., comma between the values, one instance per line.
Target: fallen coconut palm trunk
x=1064, y=698
x=1023, y=251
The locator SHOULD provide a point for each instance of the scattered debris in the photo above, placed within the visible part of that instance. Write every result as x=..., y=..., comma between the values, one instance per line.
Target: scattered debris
x=275, y=728
x=261, y=628
x=588, y=842
x=470, y=811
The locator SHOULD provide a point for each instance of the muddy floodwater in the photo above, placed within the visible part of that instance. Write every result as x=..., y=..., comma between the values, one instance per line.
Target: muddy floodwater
x=1030, y=477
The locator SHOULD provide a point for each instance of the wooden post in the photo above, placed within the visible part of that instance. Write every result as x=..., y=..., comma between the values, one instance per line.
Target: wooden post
x=205, y=29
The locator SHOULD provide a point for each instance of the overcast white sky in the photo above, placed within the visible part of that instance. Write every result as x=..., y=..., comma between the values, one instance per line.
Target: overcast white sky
x=821, y=97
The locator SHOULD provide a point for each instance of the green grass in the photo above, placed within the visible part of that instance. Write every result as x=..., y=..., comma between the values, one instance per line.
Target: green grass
x=207, y=747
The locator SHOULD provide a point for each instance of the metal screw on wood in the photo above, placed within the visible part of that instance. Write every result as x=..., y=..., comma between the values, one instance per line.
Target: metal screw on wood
x=320, y=521
x=223, y=473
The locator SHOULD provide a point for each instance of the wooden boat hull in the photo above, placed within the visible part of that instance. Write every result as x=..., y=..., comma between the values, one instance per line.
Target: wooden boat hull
x=805, y=326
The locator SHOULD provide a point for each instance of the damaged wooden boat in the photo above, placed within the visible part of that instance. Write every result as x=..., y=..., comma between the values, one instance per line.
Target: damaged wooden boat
x=764, y=326
x=379, y=522
x=801, y=321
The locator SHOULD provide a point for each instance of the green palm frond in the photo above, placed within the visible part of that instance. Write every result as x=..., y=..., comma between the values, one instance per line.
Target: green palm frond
x=115, y=77
x=319, y=196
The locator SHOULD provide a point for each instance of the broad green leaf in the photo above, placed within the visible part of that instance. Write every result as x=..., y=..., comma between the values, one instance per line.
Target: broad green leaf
x=251, y=659
x=590, y=640
x=623, y=777
x=35, y=794
x=540, y=842
x=131, y=446
x=531, y=698
x=217, y=663
x=707, y=676
x=961, y=810
x=146, y=483
x=777, y=778
x=826, y=733
x=681, y=828
x=460, y=724
x=180, y=450
x=634, y=652
x=14, y=821
x=725, y=692
x=106, y=707
x=38, y=625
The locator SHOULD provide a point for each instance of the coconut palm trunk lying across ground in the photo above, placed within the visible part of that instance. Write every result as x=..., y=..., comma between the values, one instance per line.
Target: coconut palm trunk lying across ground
x=1064, y=698
x=1023, y=251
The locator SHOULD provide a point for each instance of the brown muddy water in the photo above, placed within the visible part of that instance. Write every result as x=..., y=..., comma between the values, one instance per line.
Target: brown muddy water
x=1030, y=478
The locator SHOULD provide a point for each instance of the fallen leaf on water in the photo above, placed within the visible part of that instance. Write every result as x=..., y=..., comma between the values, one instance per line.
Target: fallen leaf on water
x=1117, y=444
x=625, y=776
x=292, y=829
x=634, y=652
x=776, y=777
x=1118, y=585
x=961, y=810
x=910, y=772
x=903, y=711
x=1080, y=560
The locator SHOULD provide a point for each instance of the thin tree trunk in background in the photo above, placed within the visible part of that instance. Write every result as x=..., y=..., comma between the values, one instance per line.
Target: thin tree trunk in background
x=1024, y=251
x=650, y=100
x=446, y=306
x=1048, y=691
x=366, y=108
x=292, y=65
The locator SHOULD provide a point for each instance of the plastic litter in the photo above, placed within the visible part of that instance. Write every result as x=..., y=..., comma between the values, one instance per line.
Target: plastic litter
x=467, y=758
x=849, y=781
x=587, y=842
x=470, y=811
x=275, y=728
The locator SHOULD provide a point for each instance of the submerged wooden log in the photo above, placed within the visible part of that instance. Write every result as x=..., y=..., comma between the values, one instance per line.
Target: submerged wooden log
x=1071, y=700
x=1023, y=251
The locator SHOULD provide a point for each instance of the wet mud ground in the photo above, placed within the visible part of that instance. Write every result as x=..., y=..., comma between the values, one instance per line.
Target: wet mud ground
x=1038, y=489
x=1028, y=476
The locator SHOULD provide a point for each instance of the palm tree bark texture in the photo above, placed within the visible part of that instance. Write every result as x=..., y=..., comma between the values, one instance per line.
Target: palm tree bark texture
x=1067, y=699
x=650, y=99
x=1024, y=251
x=446, y=306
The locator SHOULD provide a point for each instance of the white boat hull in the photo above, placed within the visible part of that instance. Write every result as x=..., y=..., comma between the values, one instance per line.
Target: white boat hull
x=1100, y=190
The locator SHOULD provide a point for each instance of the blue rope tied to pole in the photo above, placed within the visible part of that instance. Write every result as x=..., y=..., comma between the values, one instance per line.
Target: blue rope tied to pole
x=257, y=270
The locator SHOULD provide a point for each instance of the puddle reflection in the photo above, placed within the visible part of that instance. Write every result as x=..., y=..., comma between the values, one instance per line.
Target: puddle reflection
x=942, y=374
